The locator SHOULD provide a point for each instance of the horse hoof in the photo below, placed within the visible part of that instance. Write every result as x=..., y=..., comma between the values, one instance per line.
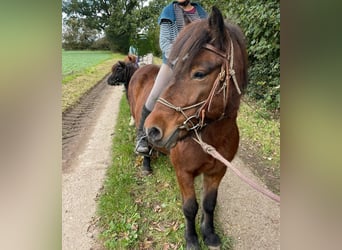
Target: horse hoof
x=193, y=247
x=146, y=172
x=212, y=241
x=131, y=121
x=214, y=247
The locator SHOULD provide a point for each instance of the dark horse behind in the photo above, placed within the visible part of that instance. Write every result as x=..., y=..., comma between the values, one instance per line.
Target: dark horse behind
x=122, y=71
x=138, y=82
x=202, y=101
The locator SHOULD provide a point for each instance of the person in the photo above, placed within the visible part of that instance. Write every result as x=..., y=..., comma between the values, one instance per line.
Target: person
x=132, y=51
x=171, y=20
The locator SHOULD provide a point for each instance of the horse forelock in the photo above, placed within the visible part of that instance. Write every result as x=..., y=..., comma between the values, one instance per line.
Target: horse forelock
x=122, y=73
x=188, y=44
x=191, y=40
x=194, y=36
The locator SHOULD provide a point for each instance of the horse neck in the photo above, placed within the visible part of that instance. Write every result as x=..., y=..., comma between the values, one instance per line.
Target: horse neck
x=227, y=128
x=131, y=68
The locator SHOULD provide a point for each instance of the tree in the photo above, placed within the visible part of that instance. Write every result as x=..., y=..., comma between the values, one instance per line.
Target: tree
x=260, y=21
x=94, y=13
x=76, y=35
x=113, y=17
x=146, y=38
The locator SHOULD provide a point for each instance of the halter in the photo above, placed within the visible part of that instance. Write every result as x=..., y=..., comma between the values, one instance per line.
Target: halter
x=226, y=72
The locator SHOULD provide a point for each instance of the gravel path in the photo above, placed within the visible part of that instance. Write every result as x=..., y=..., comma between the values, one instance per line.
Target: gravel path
x=251, y=219
x=83, y=176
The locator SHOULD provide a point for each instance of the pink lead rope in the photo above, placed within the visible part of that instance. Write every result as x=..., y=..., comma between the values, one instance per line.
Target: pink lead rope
x=212, y=151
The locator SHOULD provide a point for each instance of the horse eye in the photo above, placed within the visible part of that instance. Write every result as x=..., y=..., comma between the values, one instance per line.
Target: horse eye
x=199, y=75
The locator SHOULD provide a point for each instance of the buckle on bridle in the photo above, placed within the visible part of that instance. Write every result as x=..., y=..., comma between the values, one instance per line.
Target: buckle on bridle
x=188, y=125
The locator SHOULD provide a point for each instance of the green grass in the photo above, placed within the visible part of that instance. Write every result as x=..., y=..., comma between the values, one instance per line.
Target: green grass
x=75, y=85
x=262, y=131
x=76, y=61
x=141, y=212
x=260, y=137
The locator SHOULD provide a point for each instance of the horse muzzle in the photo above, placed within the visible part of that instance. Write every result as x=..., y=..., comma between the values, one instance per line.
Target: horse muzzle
x=110, y=80
x=156, y=137
x=113, y=81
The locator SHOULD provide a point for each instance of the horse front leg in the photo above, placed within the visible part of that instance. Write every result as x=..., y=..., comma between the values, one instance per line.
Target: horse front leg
x=190, y=208
x=146, y=166
x=210, y=188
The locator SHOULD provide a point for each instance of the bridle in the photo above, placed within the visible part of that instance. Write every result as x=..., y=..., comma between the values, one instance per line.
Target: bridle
x=227, y=71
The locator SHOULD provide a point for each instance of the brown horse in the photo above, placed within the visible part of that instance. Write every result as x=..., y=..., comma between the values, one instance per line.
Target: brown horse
x=139, y=88
x=142, y=82
x=209, y=72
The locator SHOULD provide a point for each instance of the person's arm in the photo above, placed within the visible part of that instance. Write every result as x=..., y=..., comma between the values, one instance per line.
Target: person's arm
x=165, y=37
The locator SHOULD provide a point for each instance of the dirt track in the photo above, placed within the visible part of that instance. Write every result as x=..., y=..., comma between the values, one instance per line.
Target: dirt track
x=251, y=219
x=87, y=140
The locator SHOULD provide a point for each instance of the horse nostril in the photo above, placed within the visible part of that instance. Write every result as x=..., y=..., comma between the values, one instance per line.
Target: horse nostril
x=154, y=134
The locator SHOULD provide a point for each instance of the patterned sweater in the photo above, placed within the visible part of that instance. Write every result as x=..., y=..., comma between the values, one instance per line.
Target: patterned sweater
x=171, y=21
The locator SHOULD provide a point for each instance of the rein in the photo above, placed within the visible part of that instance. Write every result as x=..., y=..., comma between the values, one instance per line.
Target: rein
x=213, y=152
x=210, y=149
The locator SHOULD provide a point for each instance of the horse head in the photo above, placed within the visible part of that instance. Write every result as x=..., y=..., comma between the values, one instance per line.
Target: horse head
x=122, y=73
x=118, y=74
x=209, y=62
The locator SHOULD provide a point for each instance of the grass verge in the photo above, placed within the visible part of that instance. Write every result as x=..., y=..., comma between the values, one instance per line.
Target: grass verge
x=76, y=85
x=141, y=212
x=75, y=62
x=260, y=141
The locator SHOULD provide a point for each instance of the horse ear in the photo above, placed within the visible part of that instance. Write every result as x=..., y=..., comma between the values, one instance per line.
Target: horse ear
x=130, y=58
x=216, y=24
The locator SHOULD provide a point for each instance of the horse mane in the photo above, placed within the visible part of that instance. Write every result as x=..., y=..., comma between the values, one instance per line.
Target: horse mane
x=131, y=68
x=122, y=70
